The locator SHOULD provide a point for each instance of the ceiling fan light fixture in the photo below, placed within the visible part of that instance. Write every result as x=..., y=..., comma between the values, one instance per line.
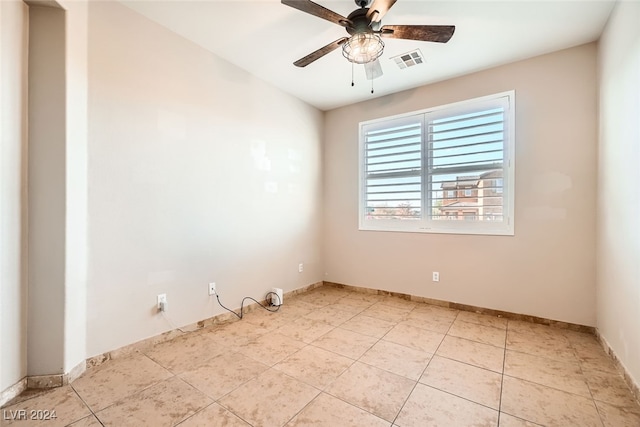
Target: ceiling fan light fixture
x=362, y=48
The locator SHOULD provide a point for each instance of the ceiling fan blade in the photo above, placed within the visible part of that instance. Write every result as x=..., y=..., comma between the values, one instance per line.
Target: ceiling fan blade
x=317, y=10
x=427, y=33
x=378, y=9
x=303, y=62
x=373, y=69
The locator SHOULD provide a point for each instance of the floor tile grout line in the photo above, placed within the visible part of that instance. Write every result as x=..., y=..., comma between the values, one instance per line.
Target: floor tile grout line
x=195, y=413
x=423, y=371
x=553, y=388
x=543, y=357
x=229, y=392
x=87, y=405
x=480, y=324
x=485, y=324
x=497, y=411
x=302, y=409
x=475, y=341
x=523, y=419
x=156, y=362
x=353, y=363
x=199, y=391
x=468, y=364
x=358, y=361
x=279, y=373
x=411, y=392
x=378, y=341
x=504, y=363
x=576, y=364
x=219, y=400
x=41, y=391
x=561, y=391
x=136, y=392
x=593, y=399
x=148, y=386
x=233, y=413
x=351, y=404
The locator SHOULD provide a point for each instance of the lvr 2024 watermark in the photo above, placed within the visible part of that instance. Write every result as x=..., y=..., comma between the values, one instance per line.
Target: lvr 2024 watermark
x=31, y=414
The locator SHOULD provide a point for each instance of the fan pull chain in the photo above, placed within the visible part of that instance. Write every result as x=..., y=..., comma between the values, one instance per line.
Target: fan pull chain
x=352, y=83
x=371, y=85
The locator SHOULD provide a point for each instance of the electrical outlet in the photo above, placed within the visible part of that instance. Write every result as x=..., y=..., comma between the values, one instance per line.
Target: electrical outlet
x=162, y=302
x=300, y=268
x=212, y=288
x=436, y=276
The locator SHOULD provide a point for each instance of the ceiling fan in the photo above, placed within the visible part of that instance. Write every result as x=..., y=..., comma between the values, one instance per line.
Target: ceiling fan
x=364, y=46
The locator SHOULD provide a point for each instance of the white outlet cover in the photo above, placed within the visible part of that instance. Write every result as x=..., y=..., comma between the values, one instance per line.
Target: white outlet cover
x=161, y=298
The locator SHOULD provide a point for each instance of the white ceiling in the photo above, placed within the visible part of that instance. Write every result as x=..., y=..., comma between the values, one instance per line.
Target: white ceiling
x=265, y=37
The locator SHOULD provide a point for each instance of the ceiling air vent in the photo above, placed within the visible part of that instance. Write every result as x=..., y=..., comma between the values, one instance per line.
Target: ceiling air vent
x=409, y=59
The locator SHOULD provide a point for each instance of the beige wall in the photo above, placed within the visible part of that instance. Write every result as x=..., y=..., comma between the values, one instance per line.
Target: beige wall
x=57, y=187
x=47, y=192
x=13, y=166
x=618, y=278
x=198, y=172
x=547, y=269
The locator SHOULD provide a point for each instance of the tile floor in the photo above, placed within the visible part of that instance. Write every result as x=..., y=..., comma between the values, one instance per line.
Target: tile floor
x=333, y=357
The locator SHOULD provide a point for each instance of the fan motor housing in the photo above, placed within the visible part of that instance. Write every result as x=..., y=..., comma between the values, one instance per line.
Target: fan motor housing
x=361, y=24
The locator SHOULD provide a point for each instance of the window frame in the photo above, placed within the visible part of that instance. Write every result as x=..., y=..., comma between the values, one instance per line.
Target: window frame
x=442, y=226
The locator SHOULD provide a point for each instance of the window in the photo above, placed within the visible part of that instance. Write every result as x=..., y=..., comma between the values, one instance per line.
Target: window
x=415, y=168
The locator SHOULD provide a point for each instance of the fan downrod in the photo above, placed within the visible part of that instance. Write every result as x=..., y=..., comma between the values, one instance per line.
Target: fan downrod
x=362, y=3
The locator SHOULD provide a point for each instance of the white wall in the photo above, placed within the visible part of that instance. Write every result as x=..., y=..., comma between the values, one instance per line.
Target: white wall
x=548, y=268
x=198, y=172
x=618, y=278
x=75, y=295
x=13, y=167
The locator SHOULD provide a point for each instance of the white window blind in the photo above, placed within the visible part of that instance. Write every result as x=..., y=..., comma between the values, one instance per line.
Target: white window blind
x=394, y=169
x=448, y=169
